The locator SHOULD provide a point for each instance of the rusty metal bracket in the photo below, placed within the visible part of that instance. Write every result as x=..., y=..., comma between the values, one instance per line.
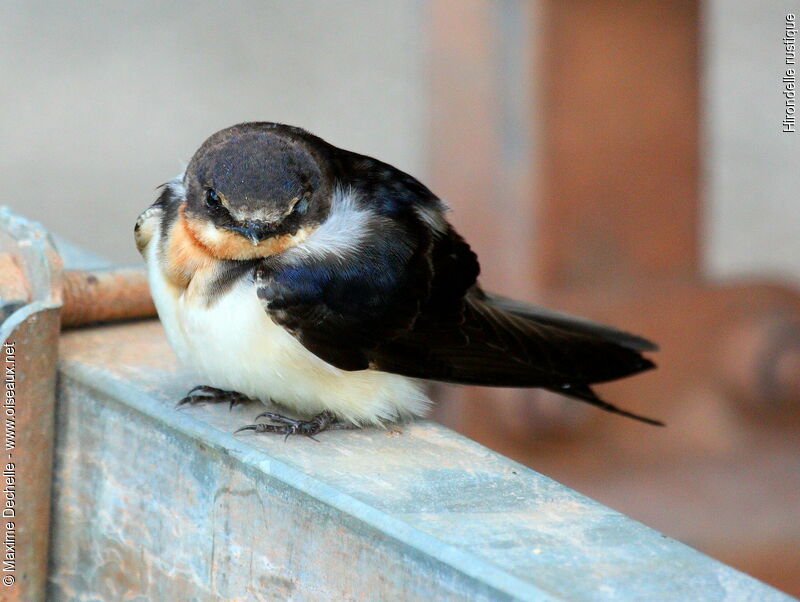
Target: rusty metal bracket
x=37, y=298
x=30, y=295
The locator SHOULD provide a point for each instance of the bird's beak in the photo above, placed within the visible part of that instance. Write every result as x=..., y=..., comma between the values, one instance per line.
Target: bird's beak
x=253, y=231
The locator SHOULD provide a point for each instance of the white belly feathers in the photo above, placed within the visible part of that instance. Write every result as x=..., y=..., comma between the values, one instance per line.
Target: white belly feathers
x=234, y=345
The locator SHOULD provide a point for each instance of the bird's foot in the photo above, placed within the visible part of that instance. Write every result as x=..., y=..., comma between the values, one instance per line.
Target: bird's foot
x=206, y=394
x=324, y=421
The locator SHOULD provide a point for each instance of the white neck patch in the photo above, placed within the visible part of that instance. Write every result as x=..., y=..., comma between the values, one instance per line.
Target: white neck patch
x=343, y=233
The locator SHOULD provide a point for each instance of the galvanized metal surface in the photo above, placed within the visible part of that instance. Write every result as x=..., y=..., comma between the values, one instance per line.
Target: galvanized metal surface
x=155, y=503
x=29, y=334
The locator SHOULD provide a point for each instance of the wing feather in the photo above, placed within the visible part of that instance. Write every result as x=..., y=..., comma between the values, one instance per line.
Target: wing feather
x=407, y=302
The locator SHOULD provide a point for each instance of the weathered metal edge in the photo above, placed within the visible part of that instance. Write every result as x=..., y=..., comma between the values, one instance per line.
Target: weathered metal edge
x=38, y=253
x=34, y=325
x=41, y=262
x=463, y=562
x=36, y=247
x=12, y=322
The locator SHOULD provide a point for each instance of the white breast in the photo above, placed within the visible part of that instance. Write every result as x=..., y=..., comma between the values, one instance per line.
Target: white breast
x=235, y=346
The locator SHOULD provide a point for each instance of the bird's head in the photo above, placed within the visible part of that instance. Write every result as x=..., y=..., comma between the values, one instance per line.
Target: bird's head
x=256, y=189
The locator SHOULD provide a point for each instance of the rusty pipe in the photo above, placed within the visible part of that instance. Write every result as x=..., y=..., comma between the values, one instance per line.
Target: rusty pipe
x=88, y=296
x=105, y=296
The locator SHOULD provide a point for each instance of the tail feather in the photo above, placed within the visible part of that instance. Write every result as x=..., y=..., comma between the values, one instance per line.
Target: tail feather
x=585, y=393
x=566, y=321
x=494, y=346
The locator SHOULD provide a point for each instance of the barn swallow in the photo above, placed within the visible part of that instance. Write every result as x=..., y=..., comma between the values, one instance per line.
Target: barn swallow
x=287, y=270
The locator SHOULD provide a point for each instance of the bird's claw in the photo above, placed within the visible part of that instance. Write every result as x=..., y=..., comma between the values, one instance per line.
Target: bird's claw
x=289, y=426
x=204, y=393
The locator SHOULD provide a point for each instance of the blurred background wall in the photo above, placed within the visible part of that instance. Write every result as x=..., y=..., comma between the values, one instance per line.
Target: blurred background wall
x=106, y=100
x=103, y=101
x=752, y=168
x=615, y=159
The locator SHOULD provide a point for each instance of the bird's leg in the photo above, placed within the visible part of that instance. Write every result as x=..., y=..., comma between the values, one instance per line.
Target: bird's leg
x=324, y=421
x=204, y=393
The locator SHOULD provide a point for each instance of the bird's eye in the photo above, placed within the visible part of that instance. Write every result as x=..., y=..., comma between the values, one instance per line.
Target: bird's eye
x=212, y=198
x=301, y=206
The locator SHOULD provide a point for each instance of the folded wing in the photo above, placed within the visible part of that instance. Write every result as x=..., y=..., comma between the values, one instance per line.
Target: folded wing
x=439, y=325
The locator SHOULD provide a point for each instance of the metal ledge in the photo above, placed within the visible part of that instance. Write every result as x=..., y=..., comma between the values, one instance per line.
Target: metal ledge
x=157, y=503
